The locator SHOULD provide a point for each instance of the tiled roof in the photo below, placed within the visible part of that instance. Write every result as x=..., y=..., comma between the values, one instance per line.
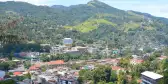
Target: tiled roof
x=137, y=60
x=117, y=68
x=162, y=57
x=33, y=68
x=17, y=73
x=55, y=62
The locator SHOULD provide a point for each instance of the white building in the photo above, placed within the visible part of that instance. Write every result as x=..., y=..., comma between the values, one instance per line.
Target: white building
x=67, y=41
x=151, y=78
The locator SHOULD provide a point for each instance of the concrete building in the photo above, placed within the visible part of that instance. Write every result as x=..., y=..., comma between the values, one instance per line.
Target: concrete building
x=92, y=50
x=136, y=61
x=148, y=77
x=67, y=80
x=57, y=50
x=67, y=41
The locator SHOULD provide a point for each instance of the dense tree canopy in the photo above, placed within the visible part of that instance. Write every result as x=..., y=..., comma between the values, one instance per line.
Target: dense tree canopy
x=87, y=23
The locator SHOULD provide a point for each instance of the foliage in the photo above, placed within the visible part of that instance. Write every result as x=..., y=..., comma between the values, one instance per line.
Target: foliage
x=102, y=74
x=97, y=20
x=7, y=65
x=27, y=64
x=28, y=75
x=165, y=72
x=90, y=25
x=10, y=81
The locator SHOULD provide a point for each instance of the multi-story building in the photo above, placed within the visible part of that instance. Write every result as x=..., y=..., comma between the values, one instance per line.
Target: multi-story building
x=67, y=80
x=148, y=77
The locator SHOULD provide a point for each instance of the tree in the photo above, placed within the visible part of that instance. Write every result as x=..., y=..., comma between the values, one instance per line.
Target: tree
x=11, y=56
x=165, y=72
x=121, y=78
x=124, y=62
x=102, y=73
x=28, y=75
x=113, y=77
x=27, y=64
x=10, y=81
x=165, y=51
x=101, y=82
x=85, y=75
x=148, y=49
x=4, y=66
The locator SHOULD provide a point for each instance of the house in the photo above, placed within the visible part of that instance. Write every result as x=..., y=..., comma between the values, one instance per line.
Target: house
x=36, y=67
x=114, y=61
x=47, y=79
x=72, y=52
x=162, y=57
x=136, y=57
x=56, y=63
x=88, y=67
x=57, y=50
x=17, y=73
x=136, y=61
x=67, y=80
x=118, y=69
x=92, y=50
x=148, y=77
x=82, y=50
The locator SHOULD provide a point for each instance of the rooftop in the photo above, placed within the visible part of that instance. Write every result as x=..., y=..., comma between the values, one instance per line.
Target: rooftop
x=55, y=62
x=117, y=68
x=17, y=73
x=152, y=75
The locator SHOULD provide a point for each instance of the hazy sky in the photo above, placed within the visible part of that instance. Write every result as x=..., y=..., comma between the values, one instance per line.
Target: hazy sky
x=154, y=7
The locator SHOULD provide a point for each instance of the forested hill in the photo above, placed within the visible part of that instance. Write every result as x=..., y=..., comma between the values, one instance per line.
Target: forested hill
x=86, y=23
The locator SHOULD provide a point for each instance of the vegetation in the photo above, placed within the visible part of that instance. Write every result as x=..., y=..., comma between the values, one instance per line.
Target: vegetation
x=7, y=65
x=101, y=75
x=95, y=20
x=8, y=82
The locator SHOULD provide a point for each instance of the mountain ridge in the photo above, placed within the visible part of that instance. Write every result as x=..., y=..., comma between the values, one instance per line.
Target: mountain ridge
x=86, y=23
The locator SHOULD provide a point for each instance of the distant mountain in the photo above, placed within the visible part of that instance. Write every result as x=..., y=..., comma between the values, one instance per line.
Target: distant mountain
x=86, y=23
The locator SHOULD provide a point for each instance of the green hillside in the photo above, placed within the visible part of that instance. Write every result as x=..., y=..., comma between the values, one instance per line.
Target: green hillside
x=85, y=23
x=90, y=25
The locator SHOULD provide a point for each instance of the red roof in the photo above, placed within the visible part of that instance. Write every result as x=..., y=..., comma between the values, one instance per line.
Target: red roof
x=33, y=68
x=17, y=73
x=37, y=65
x=162, y=57
x=55, y=62
x=117, y=68
x=137, y=61
x=139, y=81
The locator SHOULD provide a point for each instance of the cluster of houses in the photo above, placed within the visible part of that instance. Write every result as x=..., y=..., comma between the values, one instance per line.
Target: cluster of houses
x=53, y=72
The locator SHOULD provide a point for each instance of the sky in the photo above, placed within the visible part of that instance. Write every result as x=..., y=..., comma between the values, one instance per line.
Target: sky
x=155, y=7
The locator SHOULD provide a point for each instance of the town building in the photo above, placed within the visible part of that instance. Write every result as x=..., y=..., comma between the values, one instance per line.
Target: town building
x=57, y=50
x=148, y=77
x=67, y=42
x=67, y=80
x=56, y=63
x=136, y=61
x=92, y=50
x=118, y=69
x=162, y=57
